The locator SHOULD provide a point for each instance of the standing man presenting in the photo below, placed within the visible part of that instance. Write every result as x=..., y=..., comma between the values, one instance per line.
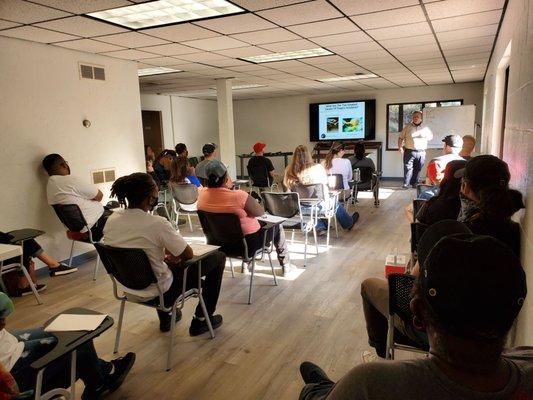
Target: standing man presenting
x=412, y=144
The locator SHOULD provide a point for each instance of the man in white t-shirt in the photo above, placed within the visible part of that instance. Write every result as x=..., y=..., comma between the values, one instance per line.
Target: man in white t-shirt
x=64, y=188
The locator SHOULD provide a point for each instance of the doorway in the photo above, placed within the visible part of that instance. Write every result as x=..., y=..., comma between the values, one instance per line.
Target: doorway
x=152, y=130
x=504, y=111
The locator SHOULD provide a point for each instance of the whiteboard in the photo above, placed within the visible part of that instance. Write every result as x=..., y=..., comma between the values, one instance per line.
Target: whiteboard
x=453, y=120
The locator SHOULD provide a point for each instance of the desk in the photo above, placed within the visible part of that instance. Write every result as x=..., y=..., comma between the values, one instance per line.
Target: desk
x=285, y=156
x=21, y=235
x=67, y=342
x=8, y=251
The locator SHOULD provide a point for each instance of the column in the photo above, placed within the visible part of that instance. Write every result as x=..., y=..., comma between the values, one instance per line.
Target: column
x=226, y=132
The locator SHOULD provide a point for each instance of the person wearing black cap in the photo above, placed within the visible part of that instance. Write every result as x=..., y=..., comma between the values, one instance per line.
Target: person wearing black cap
x=209, y=151
x=435, y=171
x=466, y=305
x=181, y=150
x=487, y=201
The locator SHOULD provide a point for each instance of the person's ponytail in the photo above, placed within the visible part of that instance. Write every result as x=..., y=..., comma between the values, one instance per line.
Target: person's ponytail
x=119, y=189
x=134, y=188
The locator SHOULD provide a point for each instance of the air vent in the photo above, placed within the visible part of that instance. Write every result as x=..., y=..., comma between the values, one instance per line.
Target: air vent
x=103, y=176
x=88, y=71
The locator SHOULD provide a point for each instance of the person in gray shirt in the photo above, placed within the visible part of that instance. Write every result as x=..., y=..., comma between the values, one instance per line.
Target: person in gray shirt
x=468, y=293
x=209, y=151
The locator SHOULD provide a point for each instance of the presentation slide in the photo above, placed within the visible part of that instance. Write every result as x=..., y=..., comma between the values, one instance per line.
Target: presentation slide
x=339, y=121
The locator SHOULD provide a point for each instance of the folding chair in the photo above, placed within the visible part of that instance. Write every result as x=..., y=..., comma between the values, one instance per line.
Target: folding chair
x=336, y=184
x=417, y=205
x=19, y=266
x=71, y=217
x=366, y=179
x=224, y=230
x=400, y=287
x=185, y=197
x=259, y=179
x=426, y=192
x=287, y=205
x=132, y=269
x=328, y=202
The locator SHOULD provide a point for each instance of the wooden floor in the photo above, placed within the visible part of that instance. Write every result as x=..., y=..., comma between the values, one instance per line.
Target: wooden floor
x=314, y=314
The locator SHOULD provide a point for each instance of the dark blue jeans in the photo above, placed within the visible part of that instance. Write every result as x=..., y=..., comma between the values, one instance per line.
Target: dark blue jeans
x=89, y=368
x=413, y=161
x=341, y=214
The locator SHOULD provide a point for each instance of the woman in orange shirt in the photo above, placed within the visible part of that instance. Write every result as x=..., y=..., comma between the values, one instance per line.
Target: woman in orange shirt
x=218, y=197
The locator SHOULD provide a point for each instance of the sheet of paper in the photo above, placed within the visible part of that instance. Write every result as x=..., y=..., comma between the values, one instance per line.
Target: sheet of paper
x=271, y=218
x=75, y=322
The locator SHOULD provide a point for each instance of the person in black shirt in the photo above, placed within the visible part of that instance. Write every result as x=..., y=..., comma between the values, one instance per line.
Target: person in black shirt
x=258, y=162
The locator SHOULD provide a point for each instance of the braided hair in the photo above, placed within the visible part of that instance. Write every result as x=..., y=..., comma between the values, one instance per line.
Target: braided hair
x=134, y=188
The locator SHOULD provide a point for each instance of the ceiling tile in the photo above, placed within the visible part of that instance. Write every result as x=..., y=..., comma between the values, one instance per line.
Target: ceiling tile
x=437, y=61
x=479, y=31
x=467, y=21
x=163, y=61
x=36, y=34
x=423, y=48
x=291, y=45
x=7, y=24
x=132, y=40
x=354, y=49
x=412, y=41
x=418, y=56
x=81, y=26
x=472, y=42
x=129, y=54
x=266, y=36
x=254, y=5
x=236, y=24
x=180, y=32
x=394, y=32
x=201, y=57
x=323, y=28
x=226, y=62
x=301, y=13
x=27, y=13
x=83, y=6
x=246, y=51
x=352, y=7
x=342, y=39
x=334, y=59
x=172, y=49
x=215, y=43
x=453, y=8
x=390, y=18
x=466, y=50
x=470, y=56
x=88, y=45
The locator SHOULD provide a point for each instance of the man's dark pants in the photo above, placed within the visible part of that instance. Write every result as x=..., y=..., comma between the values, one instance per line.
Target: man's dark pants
x=413, y=162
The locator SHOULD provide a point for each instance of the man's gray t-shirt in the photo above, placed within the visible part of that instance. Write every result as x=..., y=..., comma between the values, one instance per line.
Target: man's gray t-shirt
x=423, y=380
x=200, y=169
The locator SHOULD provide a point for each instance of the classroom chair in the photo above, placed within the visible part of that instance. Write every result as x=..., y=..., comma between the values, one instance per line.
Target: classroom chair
x=185, y=198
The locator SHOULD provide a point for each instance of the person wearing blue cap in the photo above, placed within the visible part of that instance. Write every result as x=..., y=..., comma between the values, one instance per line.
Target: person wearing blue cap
x=18, y=350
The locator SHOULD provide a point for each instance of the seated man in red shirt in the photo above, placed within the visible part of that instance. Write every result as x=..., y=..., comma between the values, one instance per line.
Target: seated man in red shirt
x=452, y=146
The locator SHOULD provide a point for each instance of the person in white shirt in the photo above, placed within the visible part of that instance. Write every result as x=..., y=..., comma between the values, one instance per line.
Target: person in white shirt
x=133, y=227
x=336, y=164
x=64, y=188
x=18, y=350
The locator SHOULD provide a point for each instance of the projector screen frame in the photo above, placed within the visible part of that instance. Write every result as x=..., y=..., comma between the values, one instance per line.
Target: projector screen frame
x=370, y=120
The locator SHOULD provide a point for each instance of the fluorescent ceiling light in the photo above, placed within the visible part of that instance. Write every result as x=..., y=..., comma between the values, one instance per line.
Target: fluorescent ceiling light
x=347, y=78
x=163, y=12
x=288, y=55
x=156, y=71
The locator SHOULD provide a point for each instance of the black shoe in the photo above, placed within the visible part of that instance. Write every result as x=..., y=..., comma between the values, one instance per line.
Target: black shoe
x=312, y=373
x=27, y=290
x=122, y=366
x=164, y=325
x=198, y=326
x=62, y=269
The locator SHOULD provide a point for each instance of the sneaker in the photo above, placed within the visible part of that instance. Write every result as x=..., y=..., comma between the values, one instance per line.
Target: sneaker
x=312, y=373
x=355, y=218
x=164, y=326
x=198, y=326
x=121, y=367
x=27, y=290
x=321, y=232
x=404, y=186
x=62, y=269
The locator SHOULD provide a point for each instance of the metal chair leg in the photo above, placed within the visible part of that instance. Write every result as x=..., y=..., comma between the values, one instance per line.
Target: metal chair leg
x=171, y=338
x=305, y=247
x=316, y=240
x=389, y=352
x=96, y=266
x=251, y=281
x=190, y=222
x=292, y=237
x=71, y=252
x=336, y=228
x=272, y=268
x=119, y=326
x=206, y=316
x=327, y=233
x=232, y=269
x=30, y=282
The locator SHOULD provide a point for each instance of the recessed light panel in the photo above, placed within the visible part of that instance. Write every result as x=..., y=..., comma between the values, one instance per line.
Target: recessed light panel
x=288, y=55
x=156, y=71
x=348, y=78
x=163, y=12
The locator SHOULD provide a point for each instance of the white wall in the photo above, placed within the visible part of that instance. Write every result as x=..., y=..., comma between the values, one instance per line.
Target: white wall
x=283, y=123
x=518, y=144
x=191, y=121
x=42, y=104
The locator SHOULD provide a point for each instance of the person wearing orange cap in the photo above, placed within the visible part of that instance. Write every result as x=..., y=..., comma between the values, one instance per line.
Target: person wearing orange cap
x=258, y=161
